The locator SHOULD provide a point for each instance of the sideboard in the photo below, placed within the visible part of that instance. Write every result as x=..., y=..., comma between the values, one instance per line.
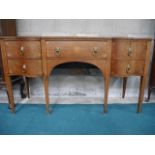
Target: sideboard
x=152, y=75
x=8, y=28
x=38, y=56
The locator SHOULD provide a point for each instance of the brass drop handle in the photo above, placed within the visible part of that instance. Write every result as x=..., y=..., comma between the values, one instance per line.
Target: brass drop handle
x=129, y=51
x=95, y=50
x=58, y=51
x=24, y=67
x=128, y=68
x=21, y=50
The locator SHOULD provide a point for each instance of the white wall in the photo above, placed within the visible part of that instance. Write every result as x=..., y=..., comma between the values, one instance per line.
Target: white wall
x=82, y=86
x=111, y=27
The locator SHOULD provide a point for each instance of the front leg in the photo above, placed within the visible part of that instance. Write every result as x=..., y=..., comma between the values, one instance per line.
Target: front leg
x=124, y=86
x=10, y=93
x=141, y=93
x=46, y=82
x=27, y=86
x=149, y=94
x=106, y=86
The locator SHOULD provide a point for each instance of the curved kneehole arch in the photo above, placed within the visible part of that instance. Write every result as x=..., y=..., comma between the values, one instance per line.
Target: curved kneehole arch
x=101, y=65
x=57, y=63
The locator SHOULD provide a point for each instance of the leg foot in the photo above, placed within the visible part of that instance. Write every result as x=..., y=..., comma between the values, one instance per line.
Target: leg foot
x=149, y=94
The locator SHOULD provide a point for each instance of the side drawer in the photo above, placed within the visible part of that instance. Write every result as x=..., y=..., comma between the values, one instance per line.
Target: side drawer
x=129, y=49
x=23, y=49
x=127, y=68
x=25, y=67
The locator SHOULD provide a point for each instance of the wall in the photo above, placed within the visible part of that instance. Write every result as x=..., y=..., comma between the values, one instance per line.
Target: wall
x=69, y=87
x=93, y=27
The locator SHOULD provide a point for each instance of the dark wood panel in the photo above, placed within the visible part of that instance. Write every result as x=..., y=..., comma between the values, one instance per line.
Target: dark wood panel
x=8, y=27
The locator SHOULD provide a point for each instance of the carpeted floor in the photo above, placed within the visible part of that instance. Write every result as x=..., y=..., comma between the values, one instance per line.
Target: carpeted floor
x=78, y=119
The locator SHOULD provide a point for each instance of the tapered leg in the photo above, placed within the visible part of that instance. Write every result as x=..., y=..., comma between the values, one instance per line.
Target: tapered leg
x=10, y=93
x=141, y=93
x=124, y=86
x=46, y=81
x=149, y=94
x=27, y=86
x=107, y=82
x=8, y=99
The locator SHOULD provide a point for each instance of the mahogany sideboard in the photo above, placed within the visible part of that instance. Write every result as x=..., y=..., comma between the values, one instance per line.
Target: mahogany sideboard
x=8, y=28
x=38, y=56
x=152, y=75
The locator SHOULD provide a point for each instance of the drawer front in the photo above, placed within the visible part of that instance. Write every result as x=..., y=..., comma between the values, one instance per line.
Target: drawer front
x=77, y=49
x=126, y=49
x=25, y=49
x=25, y=67
x=127, y=68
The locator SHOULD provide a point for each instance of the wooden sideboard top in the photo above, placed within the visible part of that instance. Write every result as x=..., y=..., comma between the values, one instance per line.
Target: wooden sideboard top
x=69, y=38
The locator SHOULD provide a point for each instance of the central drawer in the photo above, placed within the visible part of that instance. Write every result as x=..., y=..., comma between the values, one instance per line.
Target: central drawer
x=77, y=49
x=25, y=67
x=23, y=49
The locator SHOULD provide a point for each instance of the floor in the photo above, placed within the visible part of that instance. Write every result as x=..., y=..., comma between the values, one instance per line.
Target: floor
x=77, y=119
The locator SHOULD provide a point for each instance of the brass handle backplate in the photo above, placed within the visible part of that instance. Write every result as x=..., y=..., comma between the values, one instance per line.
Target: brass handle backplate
x=129, y=51
x=24, y=67
x=58, y=51
x=128, y=68
x=95, y=51
x=21, y=50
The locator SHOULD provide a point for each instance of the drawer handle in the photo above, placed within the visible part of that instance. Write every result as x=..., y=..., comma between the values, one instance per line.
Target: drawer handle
x=129, y=51
x=95, y=51
x=21, y=50
x=24, y=67
x=58, y=51
x=128, y=68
